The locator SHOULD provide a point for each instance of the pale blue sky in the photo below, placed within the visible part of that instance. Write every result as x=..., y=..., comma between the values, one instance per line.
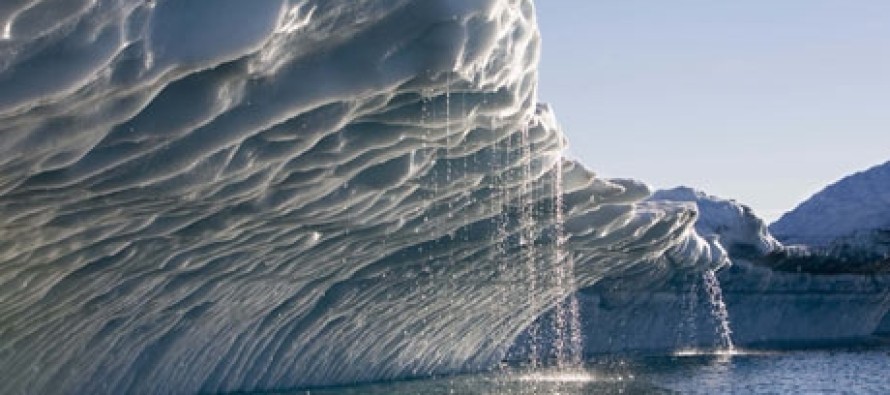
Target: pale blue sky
x=763, y=101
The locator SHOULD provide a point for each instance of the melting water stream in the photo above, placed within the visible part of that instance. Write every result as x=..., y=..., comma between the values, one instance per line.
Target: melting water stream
x=688, y=324
x=528, y=231
x=687, y=341
x=568, y=320
x=550, y=268
x=520, y=224
x=719, y=311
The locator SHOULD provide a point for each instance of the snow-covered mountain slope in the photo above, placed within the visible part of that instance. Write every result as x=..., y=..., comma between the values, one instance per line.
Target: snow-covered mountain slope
x=852, y=207
x=250, y=195
x=845, y=228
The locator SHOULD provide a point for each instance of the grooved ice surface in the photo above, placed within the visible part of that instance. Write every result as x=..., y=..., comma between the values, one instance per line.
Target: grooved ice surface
x=733, y=224
x=229, y=195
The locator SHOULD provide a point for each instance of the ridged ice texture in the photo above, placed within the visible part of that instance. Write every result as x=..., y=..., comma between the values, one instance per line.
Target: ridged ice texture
x=734, y=225
x=244, y=195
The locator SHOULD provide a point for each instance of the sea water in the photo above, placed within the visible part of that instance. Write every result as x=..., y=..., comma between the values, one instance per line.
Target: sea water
x=824, y=371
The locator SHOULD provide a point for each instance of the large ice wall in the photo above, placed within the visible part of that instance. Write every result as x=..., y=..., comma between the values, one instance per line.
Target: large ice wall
x=766, y=309
x=219, y=196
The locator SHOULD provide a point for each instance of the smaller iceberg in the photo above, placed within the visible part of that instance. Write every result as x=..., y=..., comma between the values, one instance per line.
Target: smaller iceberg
x=819, y=291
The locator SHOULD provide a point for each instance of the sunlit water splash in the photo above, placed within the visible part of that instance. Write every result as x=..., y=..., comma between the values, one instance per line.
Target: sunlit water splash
x=525, y=382
x=826, y=371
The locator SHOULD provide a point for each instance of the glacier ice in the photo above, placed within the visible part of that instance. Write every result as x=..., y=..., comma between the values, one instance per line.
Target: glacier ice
x=227, y=196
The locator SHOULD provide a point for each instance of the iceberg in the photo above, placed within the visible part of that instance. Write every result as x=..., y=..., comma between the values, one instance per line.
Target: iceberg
x=238, y=196
x=776, y=295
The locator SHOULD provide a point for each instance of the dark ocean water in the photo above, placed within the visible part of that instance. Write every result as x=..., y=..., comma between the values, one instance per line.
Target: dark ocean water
x=824, y=371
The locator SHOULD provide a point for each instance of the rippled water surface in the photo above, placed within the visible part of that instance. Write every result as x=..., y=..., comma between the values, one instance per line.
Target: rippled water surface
x=836, y=371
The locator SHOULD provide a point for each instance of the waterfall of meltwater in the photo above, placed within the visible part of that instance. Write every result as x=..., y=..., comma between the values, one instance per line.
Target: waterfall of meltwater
x=528, y=234
x=687, y=326
x=568, y=319
x=718, y=309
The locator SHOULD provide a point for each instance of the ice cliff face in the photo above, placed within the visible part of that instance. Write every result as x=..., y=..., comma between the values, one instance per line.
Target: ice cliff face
x=766, y=309
x=201, y=197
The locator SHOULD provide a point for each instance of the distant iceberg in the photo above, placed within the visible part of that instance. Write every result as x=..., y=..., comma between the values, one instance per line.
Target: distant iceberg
x=776, y=295
x=236, y=196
